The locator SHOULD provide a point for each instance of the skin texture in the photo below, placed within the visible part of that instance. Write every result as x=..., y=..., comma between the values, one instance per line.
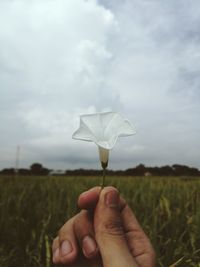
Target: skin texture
x=105, y=233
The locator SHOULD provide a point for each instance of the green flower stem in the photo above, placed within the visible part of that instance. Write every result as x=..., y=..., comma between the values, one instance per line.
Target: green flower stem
x=104, y=166
x=104, y=176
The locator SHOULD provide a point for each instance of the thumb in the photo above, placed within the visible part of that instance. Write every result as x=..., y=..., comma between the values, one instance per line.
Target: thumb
x=109, y=232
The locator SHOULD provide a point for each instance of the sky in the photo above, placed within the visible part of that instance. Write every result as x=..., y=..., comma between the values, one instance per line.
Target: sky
x=60, y=59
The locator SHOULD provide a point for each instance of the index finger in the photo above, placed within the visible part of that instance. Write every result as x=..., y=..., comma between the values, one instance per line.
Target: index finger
x=89, y=199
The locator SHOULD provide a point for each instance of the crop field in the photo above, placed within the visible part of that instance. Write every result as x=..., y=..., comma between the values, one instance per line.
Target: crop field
x=32, y=209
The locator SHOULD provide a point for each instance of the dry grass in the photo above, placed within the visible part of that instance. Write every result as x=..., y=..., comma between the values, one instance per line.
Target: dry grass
x=32, y=209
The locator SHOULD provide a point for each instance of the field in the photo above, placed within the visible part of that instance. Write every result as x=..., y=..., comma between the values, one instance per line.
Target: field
x=32, y=209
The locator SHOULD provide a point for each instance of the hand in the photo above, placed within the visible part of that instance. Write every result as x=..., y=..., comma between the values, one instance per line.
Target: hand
x=104, y=234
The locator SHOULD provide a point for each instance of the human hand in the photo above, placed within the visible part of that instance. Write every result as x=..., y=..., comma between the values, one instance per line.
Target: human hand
x=104, y=234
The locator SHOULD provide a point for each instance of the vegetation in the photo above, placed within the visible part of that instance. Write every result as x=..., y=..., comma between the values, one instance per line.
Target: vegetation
x=32, y=209
x=139, y=170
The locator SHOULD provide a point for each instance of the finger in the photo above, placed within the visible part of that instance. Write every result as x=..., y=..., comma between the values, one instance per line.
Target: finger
x=56, y=251
x=109, y=231
x=68, y=247
x=88, y=199
x=84, y=230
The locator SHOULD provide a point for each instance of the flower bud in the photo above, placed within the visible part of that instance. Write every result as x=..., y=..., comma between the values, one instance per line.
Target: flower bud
x=103, y=155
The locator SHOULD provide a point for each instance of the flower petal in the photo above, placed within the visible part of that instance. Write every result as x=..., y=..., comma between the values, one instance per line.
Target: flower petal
x=103, y=128
x=83, y=133
x=126, y=129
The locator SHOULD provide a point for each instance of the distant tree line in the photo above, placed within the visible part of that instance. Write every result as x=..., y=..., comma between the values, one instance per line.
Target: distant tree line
x=139, y=170
x=35, y=169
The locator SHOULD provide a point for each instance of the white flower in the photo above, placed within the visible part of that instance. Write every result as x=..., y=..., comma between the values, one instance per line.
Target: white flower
x=103, y=129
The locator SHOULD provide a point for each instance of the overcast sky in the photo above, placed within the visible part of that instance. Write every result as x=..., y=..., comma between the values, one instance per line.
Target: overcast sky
x=59, y=59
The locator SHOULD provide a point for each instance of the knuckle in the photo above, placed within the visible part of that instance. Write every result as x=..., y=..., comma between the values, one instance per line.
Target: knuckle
x=54, y=243
x=63, y=231
x=61, y=234
x=81, y=216
x=113, y=227
x=82, y=225
x=55, y=240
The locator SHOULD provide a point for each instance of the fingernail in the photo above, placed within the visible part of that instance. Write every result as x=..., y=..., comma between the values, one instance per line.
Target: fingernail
x=56, y=254
x=89, y=245
x=112, y=199
x=66, y=248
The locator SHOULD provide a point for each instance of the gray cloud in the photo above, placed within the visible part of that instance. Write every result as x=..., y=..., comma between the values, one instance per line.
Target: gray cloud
x=58, y=60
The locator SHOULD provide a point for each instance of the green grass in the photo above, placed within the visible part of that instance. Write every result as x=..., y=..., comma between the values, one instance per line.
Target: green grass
x=32, y=209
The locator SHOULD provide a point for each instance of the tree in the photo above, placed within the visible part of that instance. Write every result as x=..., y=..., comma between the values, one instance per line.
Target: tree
x=38, y=169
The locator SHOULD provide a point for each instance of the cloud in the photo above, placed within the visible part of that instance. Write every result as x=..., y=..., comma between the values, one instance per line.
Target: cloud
x=61, y=59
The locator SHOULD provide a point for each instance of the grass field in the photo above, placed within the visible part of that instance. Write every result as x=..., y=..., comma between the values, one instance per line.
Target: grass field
x=32, y=209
